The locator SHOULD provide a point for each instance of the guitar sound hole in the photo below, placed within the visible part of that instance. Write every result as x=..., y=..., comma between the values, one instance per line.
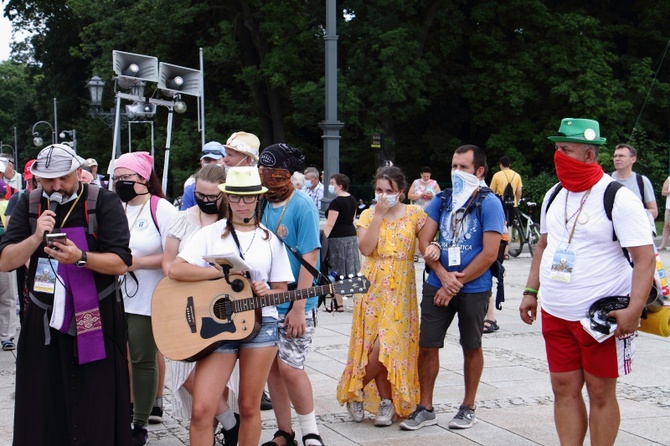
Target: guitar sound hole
x=223, y=309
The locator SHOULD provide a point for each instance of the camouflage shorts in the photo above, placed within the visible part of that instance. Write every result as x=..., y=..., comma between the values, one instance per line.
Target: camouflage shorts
x=293, y=351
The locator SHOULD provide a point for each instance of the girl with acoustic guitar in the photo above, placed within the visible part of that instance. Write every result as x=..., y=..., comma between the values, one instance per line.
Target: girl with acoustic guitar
x=240, y=235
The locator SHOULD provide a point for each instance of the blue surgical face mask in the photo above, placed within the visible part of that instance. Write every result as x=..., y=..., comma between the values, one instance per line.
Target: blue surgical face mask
x=393, y=199
x=331, y=189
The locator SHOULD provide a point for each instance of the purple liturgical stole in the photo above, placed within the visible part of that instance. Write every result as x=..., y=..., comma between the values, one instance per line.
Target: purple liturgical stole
x=81, y=301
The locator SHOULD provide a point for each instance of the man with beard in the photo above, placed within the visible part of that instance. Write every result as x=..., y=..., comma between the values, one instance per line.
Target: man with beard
x=293, y=216
x=71, y=381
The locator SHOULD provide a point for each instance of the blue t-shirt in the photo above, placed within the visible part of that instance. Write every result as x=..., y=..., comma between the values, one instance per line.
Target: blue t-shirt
x=299, y=228
x=468, y=234
x=188, y=198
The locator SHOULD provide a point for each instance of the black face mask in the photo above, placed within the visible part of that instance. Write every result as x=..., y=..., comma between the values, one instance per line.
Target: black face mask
x=126, y=190
x=208, y=207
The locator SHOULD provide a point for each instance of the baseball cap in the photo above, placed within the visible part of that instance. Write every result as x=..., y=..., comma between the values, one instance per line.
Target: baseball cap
x=214, y=150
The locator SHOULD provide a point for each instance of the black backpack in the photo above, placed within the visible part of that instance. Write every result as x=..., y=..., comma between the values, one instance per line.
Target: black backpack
x=508, y=196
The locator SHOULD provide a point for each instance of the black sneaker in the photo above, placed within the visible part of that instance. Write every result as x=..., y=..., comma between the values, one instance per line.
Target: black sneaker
x=156, y=416
x=140, y=436
x=229, y=437
x=266, y=402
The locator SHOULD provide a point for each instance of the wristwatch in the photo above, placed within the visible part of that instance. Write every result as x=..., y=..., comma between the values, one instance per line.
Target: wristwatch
x=82, y=262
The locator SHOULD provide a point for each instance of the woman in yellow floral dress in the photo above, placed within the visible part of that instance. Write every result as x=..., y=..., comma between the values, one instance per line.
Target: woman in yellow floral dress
x=381, y=373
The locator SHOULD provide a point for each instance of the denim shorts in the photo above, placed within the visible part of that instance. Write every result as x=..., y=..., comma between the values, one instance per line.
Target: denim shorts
x=267, y=337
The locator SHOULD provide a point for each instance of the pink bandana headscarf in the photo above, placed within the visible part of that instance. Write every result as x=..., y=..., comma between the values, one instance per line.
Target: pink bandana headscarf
x=139, y=162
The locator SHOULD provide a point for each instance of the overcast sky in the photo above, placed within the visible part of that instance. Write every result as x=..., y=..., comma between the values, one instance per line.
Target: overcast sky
x=5, y=36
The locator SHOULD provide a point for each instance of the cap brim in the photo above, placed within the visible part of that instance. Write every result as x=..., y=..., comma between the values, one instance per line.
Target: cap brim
x=578, y=140
x=55, y=173
x=214, y=157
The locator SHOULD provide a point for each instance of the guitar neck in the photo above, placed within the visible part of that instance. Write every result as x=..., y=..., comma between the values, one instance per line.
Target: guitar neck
x=252, y=303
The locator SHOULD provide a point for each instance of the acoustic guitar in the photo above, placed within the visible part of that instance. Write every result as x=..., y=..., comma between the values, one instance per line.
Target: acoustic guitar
x=191, y=319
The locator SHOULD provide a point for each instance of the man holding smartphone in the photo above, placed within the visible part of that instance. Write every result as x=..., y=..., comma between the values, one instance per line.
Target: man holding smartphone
x=80, y=391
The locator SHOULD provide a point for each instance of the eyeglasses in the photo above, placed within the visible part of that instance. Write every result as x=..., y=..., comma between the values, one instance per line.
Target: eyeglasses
x=248, y=199
x=126, y=177
x=211, y=152
x=210, y=198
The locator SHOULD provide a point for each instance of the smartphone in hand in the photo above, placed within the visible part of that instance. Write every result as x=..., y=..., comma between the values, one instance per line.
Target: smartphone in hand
x=50, y=238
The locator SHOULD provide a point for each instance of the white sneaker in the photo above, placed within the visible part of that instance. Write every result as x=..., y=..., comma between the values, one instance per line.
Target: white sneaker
x=355, y=409
x=386, y=413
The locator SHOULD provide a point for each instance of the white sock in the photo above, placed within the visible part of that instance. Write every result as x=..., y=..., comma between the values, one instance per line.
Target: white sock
x=158, y=402
x=308, y=426
x=227, y=419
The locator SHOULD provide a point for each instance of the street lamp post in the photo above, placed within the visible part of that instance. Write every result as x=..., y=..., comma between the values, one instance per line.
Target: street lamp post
x=95, y=88
x=73, y=136
x=37, y=139
x=331, y=125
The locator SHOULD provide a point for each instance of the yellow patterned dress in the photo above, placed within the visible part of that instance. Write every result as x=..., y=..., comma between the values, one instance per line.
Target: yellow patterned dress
x=389, y=311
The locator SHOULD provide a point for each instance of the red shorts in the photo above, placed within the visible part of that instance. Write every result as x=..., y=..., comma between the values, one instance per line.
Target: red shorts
x=570, y=347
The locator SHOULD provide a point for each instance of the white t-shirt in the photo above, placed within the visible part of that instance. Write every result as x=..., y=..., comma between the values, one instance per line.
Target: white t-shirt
x=600, y=268
x=145, y=240
x=268, y=258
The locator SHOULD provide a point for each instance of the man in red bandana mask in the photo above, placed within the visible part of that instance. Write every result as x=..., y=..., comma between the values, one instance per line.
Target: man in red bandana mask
x=576, y=263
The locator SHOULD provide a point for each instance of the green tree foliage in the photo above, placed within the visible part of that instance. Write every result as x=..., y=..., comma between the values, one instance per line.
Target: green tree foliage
x=430, y=75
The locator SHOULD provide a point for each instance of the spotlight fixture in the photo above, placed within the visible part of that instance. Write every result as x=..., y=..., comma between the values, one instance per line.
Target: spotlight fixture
x=141, y=109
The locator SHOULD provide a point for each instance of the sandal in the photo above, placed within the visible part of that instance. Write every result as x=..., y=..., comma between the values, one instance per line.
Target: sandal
x=290, y=438
x=316, y=437
x=490, y=326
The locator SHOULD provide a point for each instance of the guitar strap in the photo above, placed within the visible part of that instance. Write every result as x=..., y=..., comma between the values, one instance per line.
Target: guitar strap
x=231, y=229
x=313, y=271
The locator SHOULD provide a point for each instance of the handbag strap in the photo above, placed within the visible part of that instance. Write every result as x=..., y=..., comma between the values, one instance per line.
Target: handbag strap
x=313, y=271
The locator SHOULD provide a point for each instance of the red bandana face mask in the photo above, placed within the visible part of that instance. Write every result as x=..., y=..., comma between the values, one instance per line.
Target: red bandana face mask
x=574, y=175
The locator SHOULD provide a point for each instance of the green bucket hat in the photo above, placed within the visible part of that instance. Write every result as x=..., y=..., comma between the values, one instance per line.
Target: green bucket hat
x=582, y=131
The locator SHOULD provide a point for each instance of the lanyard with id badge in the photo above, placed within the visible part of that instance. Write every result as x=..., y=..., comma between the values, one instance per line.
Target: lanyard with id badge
x=564, y=258
x=457, y=220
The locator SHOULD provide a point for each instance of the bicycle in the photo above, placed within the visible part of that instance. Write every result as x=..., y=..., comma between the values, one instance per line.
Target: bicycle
x=524, y=231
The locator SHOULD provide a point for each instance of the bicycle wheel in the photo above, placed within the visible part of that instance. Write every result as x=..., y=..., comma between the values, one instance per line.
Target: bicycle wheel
x=516, y=242
x=534, y=237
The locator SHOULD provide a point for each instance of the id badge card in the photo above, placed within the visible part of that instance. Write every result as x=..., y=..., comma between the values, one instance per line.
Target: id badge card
x=454, y=253
x=45, y=277
x=562, y=264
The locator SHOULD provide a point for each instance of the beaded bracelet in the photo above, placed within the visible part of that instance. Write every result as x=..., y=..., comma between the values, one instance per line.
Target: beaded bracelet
x=528, y=293
x=436, y=244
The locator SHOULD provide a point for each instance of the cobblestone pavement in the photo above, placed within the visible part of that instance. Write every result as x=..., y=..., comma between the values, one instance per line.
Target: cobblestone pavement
x=514, y=400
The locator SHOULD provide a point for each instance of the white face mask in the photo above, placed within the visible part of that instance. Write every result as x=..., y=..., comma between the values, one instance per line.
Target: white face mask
x=227, y=167
x=331, y=189
x=464, y=184
x=393, y=199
